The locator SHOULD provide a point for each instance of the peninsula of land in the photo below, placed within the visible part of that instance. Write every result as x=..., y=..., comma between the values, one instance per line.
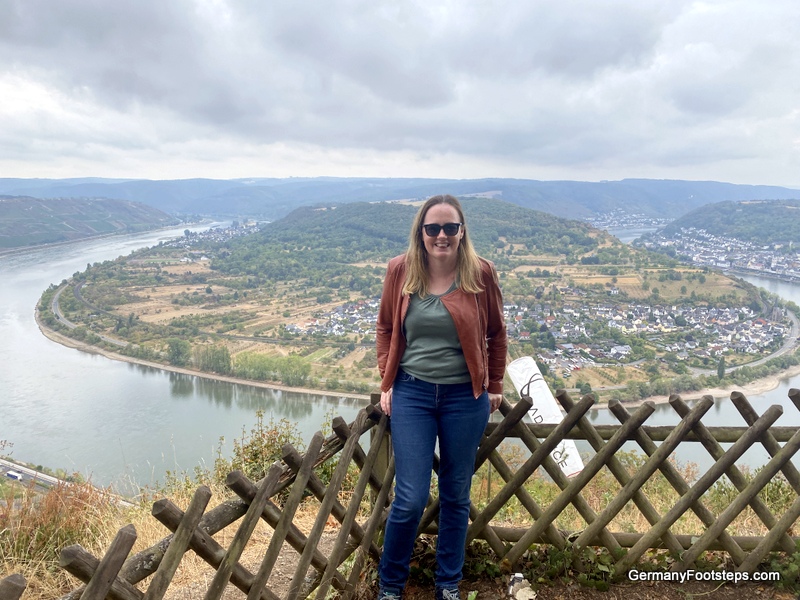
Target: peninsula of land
x=293, y=305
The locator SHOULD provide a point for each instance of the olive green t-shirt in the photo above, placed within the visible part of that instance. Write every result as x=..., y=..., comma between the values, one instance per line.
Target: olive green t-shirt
x=433, y=352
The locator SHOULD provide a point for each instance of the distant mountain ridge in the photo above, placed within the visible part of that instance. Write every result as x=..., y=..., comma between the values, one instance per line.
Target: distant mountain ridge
x=27, y=221
x=377, y=231
x=273, y=198
x=765, y=222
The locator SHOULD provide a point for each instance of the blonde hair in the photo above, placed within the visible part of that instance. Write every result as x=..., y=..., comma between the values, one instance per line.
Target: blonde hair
x=468, y=265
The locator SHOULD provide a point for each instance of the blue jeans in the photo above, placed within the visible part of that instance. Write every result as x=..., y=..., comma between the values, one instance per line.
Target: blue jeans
x=421, y=413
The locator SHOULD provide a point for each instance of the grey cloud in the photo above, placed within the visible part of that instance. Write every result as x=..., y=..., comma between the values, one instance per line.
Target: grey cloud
x=116, y=50
x=571, y=83
x=397, y=62
x=573, y=41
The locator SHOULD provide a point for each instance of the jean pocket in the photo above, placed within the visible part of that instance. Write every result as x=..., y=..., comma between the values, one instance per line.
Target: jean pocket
x=405, y=377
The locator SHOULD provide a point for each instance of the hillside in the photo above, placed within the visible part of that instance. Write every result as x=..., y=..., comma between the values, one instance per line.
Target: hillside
x=757, y=221
x=272, y=199
x=295, y=303
x=26, y=221
x=314, y=239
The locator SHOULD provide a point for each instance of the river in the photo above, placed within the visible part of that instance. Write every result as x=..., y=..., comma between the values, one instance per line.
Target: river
x=127, y=426
x=119, y=424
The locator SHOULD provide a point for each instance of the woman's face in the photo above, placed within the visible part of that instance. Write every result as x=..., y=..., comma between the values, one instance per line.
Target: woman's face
x=442, y=246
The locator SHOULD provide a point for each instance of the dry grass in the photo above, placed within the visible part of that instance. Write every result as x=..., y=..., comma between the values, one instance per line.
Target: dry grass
x=35, y=527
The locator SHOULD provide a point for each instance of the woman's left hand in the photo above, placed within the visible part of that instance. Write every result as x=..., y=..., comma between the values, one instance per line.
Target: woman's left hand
x=494, y=402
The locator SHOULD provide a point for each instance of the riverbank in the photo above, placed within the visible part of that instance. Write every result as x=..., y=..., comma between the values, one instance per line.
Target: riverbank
x=754, y=388
x=99, y=236
x=62, y=339
x=759, y=386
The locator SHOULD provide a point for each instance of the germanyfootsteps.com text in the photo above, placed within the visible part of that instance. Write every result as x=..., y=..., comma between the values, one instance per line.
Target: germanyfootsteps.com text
x=713, y=576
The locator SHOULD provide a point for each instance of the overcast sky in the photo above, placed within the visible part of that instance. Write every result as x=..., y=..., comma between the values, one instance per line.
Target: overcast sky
x=567, y=89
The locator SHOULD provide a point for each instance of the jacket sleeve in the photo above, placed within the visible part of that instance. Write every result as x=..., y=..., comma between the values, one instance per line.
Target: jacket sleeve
x=496, y=340
x=383, y=327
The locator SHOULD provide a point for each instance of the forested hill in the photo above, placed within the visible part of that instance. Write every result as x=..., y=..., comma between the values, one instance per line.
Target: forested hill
x=28, y=221
x=272, y=198
x=312, y=240
x=765, y=221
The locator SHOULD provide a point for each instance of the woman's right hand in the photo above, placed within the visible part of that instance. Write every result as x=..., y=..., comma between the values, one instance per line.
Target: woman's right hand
x=386, y=402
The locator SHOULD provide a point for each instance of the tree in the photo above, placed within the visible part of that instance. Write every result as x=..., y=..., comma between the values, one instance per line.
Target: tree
x=178, y=352
x=721, y=368
x=216, y=359
x=294, y=370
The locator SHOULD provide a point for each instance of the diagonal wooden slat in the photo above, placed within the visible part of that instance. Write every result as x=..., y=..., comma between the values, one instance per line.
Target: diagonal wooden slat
x=106, y=573
x=597, y=462
x=516, y=482
x=242, y=535
x=631, y=486
x=342, y=430
x=296, y=585
x=289, y=508
x=177, y=547
x=206, y=547
x=733, y=473
x=769, y=541
x=510, y=419
x=699, y=488
x=743, y=499
x=347, y=525
x=679, y=484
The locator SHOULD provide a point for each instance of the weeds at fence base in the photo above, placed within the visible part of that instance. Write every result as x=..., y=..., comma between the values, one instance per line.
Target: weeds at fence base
x=588, y=568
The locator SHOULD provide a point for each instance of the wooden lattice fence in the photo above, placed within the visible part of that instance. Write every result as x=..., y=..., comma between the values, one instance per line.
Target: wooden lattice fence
x=148, y=574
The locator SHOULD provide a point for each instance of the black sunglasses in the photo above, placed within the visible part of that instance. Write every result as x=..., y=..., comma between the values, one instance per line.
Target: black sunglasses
x=433, y=229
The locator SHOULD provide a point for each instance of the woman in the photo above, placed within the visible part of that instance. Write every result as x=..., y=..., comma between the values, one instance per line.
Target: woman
x=441, y=343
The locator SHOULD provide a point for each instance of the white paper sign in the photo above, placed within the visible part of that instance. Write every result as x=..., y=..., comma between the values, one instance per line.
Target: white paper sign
x=528, y=381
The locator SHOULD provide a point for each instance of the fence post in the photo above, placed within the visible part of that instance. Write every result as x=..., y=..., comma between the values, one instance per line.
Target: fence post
x=83, y=565
x=11, y=587
x=385, y=441
x=177, y=547
x=103, y=577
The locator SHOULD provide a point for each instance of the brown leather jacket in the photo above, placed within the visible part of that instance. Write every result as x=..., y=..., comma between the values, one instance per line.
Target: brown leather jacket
x=478, y=319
